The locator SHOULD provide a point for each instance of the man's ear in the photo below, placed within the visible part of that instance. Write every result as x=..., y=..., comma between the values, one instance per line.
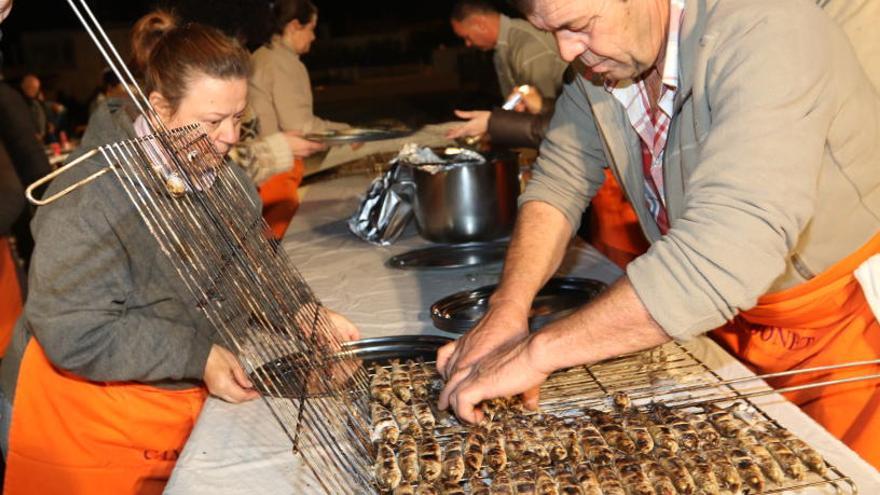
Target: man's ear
x=162, y=106
x=292, y=26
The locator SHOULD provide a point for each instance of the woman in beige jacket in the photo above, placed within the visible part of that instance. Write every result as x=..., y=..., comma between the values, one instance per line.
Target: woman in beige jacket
x=280, y=89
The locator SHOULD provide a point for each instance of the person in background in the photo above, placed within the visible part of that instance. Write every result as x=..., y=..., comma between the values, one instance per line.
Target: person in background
x=754, y=173
x=110, y=87
x=32, y=91
x=112, y=359
x=522, y=54
x=22, y=161
x=280, y=88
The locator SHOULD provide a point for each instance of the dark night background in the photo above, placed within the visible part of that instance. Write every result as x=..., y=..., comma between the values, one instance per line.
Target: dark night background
x=394, y=59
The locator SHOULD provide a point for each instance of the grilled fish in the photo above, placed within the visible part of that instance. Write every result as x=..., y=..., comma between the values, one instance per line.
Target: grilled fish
x=621, y=401
x=748, y=469
x=473, y=449
x=496, y=450
x=514, y=445
x=430, y=457
x=662, y=482
x=405, y=489
x=808, y=454
x=405, y=417
x=524, y=483
x=423, y=414
x=408, y=458
x=400, y=381
x=789, y=461
x=636, y=426
x=451, y=488
x=608, y=481
x=384, y=427
x=685, y=435
x=568, y=436
x=453, y=461
x=502, y=485
x=763, y=458
x=545, y=483
x=568, y=484
x=725, y=470
x=613, y=431
x=534, y=451
x=554, y=444
x=702, y=472
x=727, y=424
x=479, y=487
x=380, y=386
x=420, y=378
x=493, y=408
x=664, y=438
x=587, y=479
x=426, y=489
x=679, y=474
x=634, y=477
x=387, y=472
x=594, y=446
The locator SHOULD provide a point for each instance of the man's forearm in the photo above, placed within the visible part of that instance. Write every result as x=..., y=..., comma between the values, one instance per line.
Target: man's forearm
x=538, y=245
x=615, y=323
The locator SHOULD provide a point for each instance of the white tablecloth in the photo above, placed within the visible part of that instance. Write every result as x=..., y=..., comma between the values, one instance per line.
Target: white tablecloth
x=240, y=449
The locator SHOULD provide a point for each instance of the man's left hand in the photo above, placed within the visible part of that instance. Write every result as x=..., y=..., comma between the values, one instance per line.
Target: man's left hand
x=515, y=368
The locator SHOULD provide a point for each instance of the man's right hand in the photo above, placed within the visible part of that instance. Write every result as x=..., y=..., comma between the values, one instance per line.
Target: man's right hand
x=504, y=322
x=225, y=378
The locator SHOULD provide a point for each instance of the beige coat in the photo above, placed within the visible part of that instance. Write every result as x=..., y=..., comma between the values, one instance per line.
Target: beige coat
x=772, y=167
x=280, y=92
x=860, y=20
x=525, y=55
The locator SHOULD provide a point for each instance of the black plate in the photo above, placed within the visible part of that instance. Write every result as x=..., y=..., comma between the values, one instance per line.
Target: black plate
x=450, y=256
x=283, y=372
x=356, y=135
x=459, y=312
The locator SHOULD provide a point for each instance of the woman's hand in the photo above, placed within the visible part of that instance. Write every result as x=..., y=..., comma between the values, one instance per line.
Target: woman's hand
x=301, y=147
x=225, y=378
x=477, y=124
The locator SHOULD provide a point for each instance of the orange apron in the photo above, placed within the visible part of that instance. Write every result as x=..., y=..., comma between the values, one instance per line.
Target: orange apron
x=823, y=321
x=10, y=294
x=72, y=436
x=280, y=198
x=614, y=227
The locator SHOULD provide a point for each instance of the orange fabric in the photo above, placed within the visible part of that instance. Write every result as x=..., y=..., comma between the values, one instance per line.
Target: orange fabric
x=10, y=295
x=72, y=436
x=614, y=227
x=280, y=198
x=820, y=322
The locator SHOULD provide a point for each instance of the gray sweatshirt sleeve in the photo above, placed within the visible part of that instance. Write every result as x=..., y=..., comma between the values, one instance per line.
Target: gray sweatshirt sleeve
x=569, y=168
x=84, y=307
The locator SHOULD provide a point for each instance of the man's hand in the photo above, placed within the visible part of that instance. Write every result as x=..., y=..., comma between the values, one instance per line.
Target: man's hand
x=5, y=7
x=503, y=323
x=477, y=124
x=299, y=146
x=226, y=379
x=343, y=327
x=514, y=368
x=531, y=102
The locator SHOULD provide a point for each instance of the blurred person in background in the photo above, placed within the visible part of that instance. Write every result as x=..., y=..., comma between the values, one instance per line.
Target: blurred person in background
x=280, y=87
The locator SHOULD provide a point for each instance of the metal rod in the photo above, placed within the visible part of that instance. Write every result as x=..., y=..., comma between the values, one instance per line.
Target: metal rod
x=29, y=192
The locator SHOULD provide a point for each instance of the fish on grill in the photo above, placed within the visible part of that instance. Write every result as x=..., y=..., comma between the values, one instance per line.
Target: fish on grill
x=400, y=381
x=408, y=458
x=702, y=472
x=384, y=427
x=613, y=431
x=587, y=479
x=763, y=458
x=474, y=444
x=524, y=483
x=789, y=461
x=423, y=414
x=727, y=424
x=725, y=470
x=514, y=444
x=664, y=438
x=405, y=417
x=634, y=476
x=387, y=472
x=749, y=470
x=594, y=446
x=554, y=443
x=568, y=484
x=426, y=489
x=451, y=488
x=496, y=450
x=493, y=408
x=453, y=461
x=545, y=483
x=420, y=378
x=380, y=386
x=405, y=489
x=430, y=458
x=685, y=434
x=807, y=454
x=636, y=426
x=479, y=487
x=621, y=401
x=502, y=485
x=679, y=474
x=534, y=451
x=608, y=481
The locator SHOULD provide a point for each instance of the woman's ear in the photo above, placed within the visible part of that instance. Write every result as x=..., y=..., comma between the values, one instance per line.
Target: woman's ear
x=162, y=106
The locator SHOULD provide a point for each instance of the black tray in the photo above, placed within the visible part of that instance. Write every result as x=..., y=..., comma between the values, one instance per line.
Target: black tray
x=461, y=311
x=284, y=372
x=450, y=256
